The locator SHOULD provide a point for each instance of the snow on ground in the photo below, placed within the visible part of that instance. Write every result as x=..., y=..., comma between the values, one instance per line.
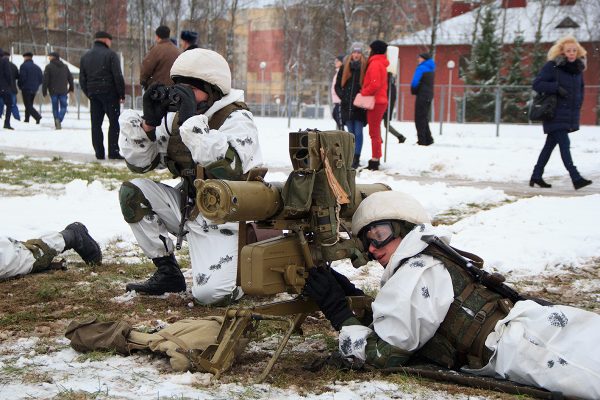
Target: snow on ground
x=138, y=377
x=518, y=236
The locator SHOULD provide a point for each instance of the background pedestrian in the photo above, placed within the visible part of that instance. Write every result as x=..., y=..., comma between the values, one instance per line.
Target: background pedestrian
x=422, y=87
x=562, y=74
x=347, y=86
x=30, y=79
x=58, y=81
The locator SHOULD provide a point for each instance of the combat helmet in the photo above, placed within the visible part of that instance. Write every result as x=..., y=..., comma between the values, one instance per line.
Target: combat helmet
x=204, y=65
x=389, y=206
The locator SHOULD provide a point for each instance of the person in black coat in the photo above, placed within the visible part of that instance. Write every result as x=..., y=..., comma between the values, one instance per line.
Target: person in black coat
x=347, y=86
x=102, y=82
x=30, y=79
x=563, y=75
x=6, y=77
x=14, y=77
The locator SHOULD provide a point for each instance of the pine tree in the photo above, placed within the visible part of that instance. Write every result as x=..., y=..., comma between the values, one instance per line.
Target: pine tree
x=514, y=100
x=483, y=70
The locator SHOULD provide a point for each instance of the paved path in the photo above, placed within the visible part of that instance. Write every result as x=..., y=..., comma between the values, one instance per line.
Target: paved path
x=561, y=186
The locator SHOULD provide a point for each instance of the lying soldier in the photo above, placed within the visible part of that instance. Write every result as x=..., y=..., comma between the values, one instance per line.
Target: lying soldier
x=37, y=255
x=432, y=307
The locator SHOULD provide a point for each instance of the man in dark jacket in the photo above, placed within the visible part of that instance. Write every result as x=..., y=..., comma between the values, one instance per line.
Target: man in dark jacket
x=14, y=76
x=58, y=81
x=102, y=82
x=156, y=67
x=30, y=79
x=188, y=40
x=5, y=82
x=422, y=87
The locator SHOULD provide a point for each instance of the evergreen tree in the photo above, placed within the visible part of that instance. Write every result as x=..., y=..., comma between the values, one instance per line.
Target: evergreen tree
x=483, y=70
x=514, y=99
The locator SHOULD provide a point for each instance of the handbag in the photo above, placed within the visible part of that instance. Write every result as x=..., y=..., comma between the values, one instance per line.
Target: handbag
x=366, y=102
x=543, y=107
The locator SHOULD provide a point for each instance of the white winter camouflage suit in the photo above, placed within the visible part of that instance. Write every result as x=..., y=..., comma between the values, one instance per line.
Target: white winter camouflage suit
x=213, y=248
x=16, y=259
x=553, y=347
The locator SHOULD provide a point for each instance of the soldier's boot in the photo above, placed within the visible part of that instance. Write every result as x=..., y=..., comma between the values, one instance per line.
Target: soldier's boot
x=167, y=278
x=77, y=238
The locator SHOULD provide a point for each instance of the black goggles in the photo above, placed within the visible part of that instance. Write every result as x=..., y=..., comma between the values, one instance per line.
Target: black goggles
x=378, y=234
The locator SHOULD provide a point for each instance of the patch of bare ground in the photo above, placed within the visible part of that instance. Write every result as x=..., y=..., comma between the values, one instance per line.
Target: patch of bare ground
x=43, y=304
x=577, y=287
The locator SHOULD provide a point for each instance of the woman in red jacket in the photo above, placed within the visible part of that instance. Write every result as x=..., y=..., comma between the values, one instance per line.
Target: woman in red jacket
x=375, y=84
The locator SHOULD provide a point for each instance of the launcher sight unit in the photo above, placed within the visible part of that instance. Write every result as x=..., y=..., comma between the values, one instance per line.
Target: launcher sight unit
x=312, y=207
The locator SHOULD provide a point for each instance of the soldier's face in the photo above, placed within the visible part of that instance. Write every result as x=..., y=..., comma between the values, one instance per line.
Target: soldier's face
x=200, y=95
x=383, y=254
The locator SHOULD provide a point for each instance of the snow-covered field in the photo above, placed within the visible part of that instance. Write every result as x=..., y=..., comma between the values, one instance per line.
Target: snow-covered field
x=516, y=235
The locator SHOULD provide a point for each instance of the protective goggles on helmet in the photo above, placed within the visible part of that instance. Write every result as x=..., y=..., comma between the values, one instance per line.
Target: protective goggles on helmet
x=378, y=234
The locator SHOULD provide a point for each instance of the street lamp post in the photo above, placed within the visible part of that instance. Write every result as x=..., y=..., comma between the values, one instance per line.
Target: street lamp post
x=263, y=66
x=450, y=66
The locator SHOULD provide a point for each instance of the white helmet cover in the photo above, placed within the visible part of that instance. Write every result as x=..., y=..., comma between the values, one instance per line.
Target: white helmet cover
x=388, y=205
x=203, y=64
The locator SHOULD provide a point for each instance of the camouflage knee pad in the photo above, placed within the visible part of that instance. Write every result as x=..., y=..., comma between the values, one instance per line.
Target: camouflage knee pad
x=42, y=253
x=134, y=205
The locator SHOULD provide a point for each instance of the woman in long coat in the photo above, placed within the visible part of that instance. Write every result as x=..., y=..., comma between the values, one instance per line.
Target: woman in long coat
x=347, y=86
x=563, y=75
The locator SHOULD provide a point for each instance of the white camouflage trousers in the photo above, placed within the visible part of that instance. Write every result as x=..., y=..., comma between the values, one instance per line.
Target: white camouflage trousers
x=213, y=248
x=16, y=259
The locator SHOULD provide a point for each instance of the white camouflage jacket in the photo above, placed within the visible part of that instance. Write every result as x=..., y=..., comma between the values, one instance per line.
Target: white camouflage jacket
x=206, y=145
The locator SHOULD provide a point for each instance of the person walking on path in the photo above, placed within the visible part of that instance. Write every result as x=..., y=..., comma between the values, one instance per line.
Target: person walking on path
x=563, y=75
x=5, y=82
x=156, y=66
x=102, y=82
x=30, y=79
x=14, y=77
x=347, y=86
x=58, y=81
x=375, y=84
x=335, y=99
x=422, y=87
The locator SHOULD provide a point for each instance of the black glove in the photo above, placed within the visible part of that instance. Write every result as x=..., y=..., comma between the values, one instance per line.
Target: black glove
x=322, y=287
x=347, y=286
x=562, y=92
x=154, y=109
x=187, y=104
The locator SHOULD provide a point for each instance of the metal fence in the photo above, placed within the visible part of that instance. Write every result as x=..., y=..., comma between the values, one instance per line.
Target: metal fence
x=488, y=104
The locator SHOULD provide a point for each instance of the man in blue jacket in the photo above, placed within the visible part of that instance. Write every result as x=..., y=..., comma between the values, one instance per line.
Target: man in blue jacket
x=30, y=79
x=422, y=87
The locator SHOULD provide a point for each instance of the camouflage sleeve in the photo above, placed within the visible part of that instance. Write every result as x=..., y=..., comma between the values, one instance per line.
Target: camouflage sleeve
x=361, y=342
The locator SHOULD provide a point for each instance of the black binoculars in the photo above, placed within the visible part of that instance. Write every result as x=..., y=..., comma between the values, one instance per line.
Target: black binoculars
x=162, y=93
